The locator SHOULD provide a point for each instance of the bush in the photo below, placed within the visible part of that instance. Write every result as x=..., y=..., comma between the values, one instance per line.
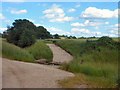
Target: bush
x=106, y=41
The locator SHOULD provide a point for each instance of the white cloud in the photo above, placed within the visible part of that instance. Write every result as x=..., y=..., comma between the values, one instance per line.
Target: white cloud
x=2, y=16
x=2, y=30
x=93, y=12
x=117, y=25
x=88, y=23
x=78, y=31
x=107, y=23
x=85, y=32
x=114, y=31
x=54, y=30
x=62, y=19
x=91, y=23
x=56, y=14
x=18, y=11
x=71, y=10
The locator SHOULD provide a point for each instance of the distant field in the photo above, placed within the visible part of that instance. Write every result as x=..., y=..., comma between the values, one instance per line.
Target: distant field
x=99, y=67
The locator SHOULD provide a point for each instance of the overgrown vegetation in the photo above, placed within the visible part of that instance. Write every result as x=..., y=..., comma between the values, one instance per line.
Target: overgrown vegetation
x=13, y=52
x=40, y=51
x=95, y=59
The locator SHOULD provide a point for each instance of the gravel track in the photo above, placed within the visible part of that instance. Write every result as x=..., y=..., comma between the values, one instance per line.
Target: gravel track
x=17, y=74
x=60, y=55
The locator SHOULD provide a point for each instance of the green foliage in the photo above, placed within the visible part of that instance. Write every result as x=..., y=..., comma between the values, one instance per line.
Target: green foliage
x=40, y=51
x=71, y=37
x=42, y=33
x=56, y=36
x=13, y=52
x=107, y=42
x=23, y=33
x=26, y=39
x=92, y=58
x=71, y=46
x=0, y=35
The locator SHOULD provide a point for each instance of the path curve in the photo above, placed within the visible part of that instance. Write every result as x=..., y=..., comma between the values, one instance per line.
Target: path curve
x=17, y=74
x=60, y=55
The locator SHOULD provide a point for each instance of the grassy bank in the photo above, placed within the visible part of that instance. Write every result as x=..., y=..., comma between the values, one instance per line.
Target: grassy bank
x=40, y=51
x=97, y=63
x=13, y=52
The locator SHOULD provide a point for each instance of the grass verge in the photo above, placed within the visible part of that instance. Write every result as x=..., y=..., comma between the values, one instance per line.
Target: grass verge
x=40, y=51
x=13, y=52
x=98, y=64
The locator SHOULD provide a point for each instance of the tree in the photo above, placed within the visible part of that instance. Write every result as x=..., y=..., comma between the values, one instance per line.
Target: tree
x=22, y=33
x=42, y=33
x=26, y=39
x=71, y=37
x=4, y=34
x=56, y=36
x=0, y=34
x=74, y=37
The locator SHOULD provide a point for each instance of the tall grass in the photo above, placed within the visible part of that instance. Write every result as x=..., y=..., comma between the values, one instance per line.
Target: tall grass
x=71, y=46
x=98, y=62
x=13, y=52
x=40, y=51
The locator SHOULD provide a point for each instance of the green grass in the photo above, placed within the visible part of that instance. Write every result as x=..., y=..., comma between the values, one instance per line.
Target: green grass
x=71, y=46
x=98, y=63
x=13, y=52
x=40, y=51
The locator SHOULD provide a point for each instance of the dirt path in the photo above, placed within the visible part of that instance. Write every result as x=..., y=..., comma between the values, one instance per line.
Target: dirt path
x=28, y=75
x=59, y=55
x=17, y=74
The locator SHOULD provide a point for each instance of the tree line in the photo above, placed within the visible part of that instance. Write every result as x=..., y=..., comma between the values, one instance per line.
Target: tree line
x=24, y=33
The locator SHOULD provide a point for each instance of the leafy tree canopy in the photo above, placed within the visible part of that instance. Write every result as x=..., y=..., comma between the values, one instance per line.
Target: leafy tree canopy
x=23, y=33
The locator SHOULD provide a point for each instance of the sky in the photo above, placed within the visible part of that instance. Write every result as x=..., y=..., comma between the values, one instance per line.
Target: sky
x=65, y=18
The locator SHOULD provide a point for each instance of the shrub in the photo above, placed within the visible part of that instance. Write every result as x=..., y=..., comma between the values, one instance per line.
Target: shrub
x=106, y=42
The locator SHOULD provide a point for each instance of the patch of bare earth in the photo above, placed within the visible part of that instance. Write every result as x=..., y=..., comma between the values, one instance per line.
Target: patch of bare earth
x=17, y=74
x=60, y=55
